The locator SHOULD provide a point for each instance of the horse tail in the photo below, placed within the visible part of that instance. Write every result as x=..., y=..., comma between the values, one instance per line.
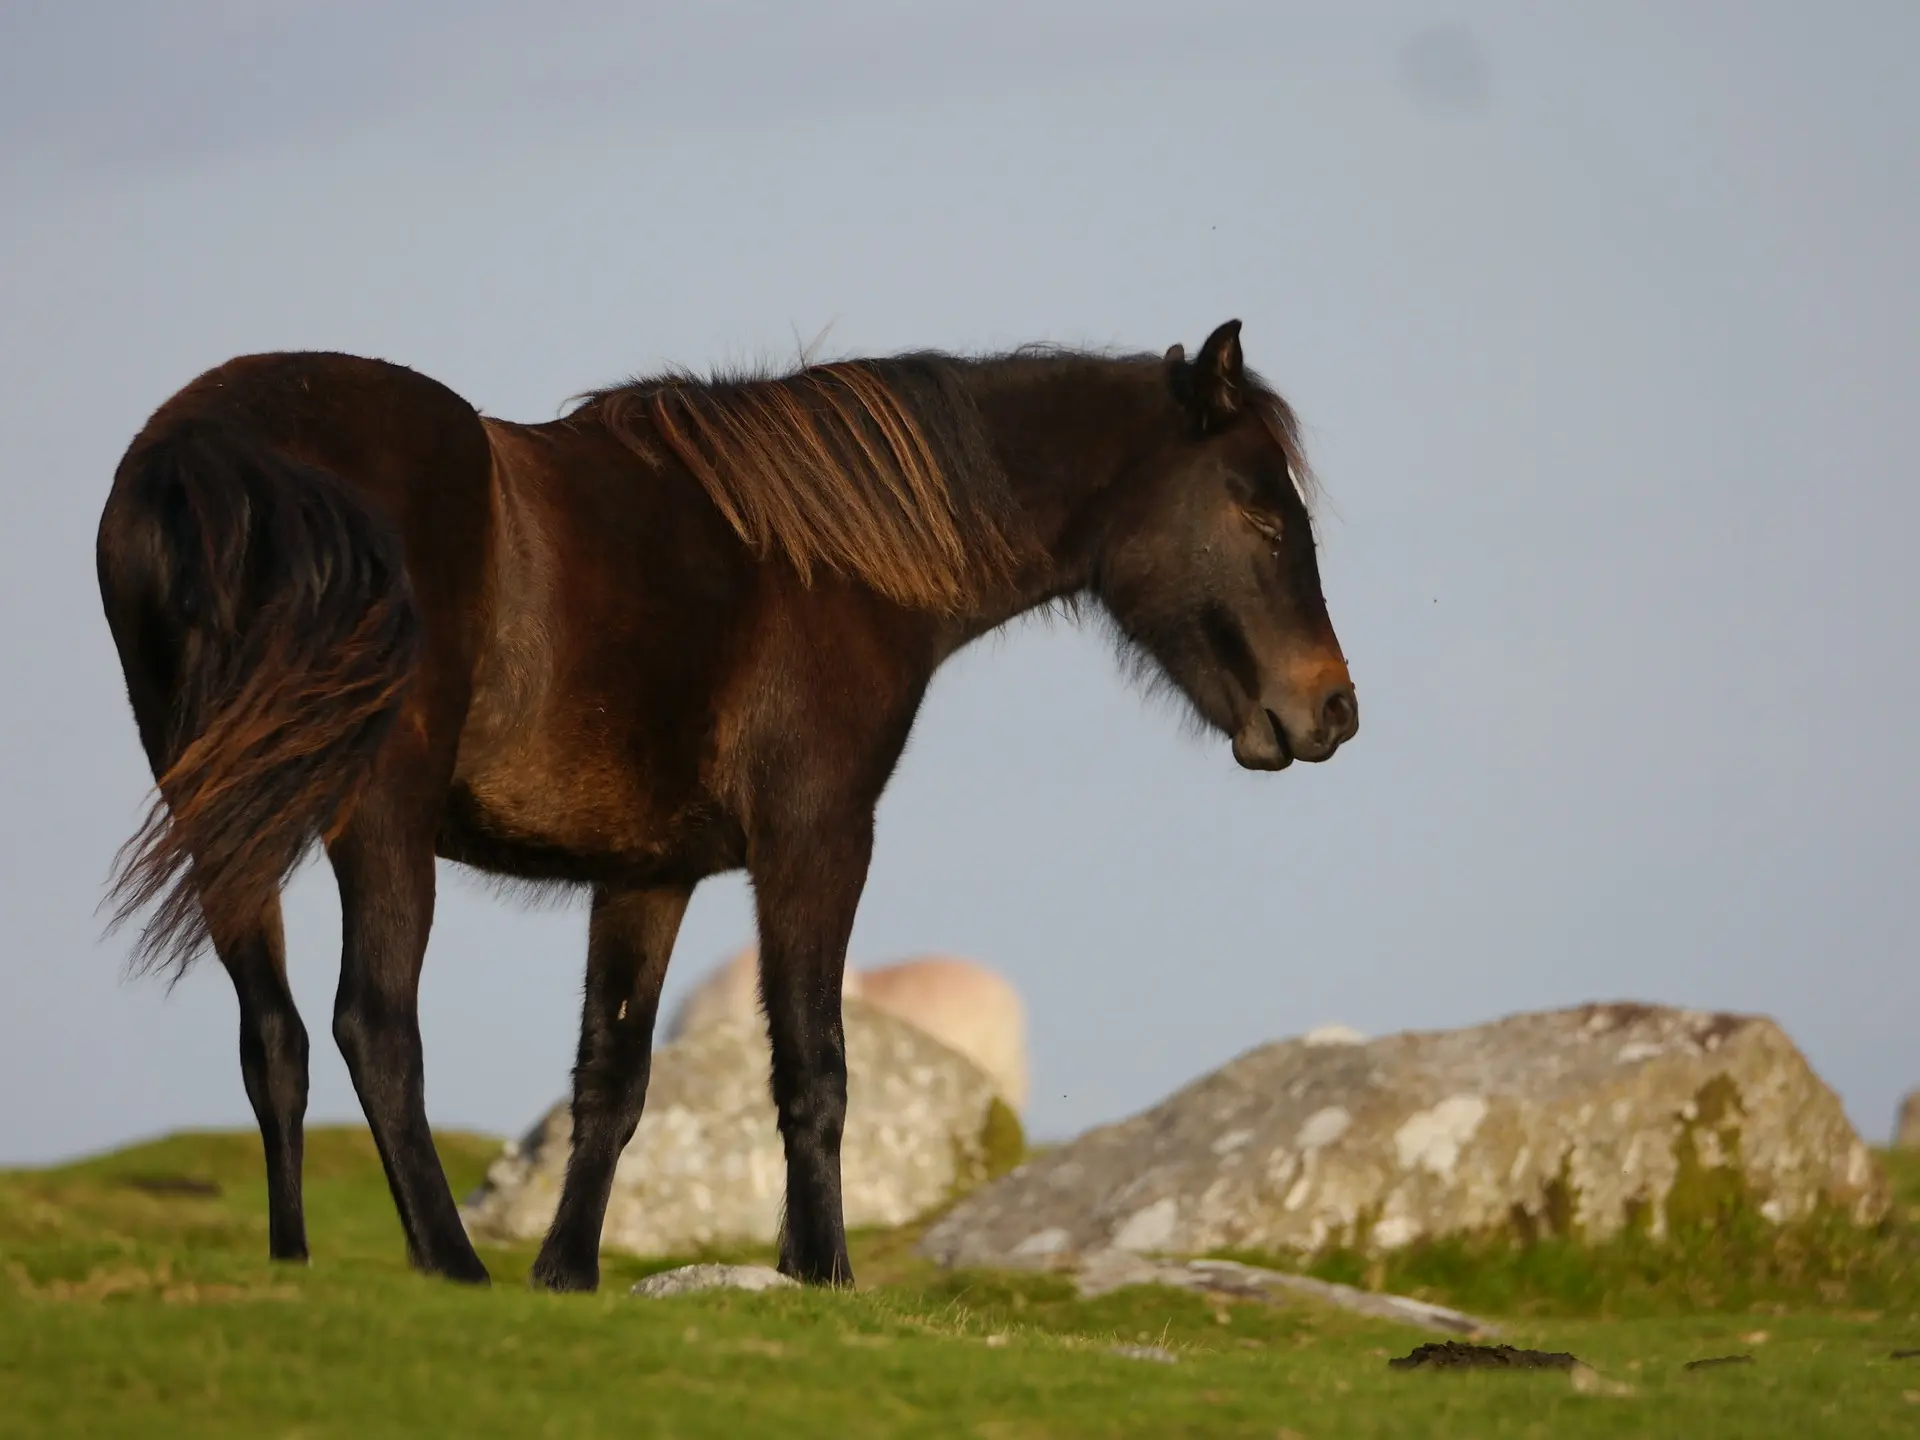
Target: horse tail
x=268, y=634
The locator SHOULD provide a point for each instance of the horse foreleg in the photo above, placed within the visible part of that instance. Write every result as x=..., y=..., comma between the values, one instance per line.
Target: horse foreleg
x=273, y=1062
x=629, y=941
x=807, y=888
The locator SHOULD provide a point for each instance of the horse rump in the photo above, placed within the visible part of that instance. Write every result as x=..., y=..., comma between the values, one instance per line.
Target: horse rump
x=267, y=633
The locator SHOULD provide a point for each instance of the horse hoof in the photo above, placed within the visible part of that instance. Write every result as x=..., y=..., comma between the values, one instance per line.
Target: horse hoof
x=562, y=1280
x=830, y=1277
x=461, y=1272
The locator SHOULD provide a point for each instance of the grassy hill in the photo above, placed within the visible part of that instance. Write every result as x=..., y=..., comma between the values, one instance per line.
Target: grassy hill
x=135, y=1300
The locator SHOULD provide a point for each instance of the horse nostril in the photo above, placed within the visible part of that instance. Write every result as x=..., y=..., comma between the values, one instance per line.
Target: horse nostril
x=1340, y=715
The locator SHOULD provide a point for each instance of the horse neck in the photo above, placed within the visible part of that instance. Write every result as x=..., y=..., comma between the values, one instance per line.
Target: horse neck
x=1066, y=431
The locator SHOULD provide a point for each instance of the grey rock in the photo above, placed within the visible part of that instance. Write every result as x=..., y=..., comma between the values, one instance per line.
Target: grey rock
x=1105, y=1271
x=1154, y=1354
x=706, y=1168
x=689, y=1279
x=1906, y=1129
x=1571, y=1121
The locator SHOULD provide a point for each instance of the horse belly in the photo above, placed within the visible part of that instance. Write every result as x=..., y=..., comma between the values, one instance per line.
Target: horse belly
x=580, y=756
x=555, y=779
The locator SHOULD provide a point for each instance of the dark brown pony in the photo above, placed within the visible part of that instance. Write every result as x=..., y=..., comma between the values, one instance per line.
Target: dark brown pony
x=684, y=629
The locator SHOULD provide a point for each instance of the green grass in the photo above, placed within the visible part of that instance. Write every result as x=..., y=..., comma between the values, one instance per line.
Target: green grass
x=1727, y=1262
x=125, y=1312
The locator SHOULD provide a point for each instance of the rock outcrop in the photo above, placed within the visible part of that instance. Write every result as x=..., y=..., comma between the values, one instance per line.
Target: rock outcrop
x=705, y=1167
x=1579, y=1122
x=1906, y=1128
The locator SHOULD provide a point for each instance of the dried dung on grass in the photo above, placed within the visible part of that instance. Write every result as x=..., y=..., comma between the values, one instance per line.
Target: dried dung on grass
x=1714, y=1362
x=1459, y=1355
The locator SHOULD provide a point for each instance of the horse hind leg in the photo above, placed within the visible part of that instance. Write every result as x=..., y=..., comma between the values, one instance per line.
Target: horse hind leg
x=383, y=861
x=273, y=1062
x=273, y=1039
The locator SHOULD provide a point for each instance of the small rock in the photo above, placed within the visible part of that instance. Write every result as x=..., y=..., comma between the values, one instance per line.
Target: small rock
x=1151, y=1353
x=691, y=1278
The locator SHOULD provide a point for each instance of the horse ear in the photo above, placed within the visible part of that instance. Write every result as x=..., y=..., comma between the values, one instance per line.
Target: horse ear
x=1176, y=354
x=1220, y=373
x=1215, y=383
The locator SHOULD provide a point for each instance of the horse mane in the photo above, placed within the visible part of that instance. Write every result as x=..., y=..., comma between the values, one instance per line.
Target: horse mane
x=877, y=469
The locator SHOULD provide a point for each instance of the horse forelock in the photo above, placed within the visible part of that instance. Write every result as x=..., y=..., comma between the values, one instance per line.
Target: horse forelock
x=1283, y=425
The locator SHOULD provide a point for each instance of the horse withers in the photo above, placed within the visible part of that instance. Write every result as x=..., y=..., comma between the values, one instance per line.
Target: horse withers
x=681, y=630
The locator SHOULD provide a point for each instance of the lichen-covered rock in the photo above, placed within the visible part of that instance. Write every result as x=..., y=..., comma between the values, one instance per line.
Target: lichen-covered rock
x=1579, y=1122
x=706, y=1167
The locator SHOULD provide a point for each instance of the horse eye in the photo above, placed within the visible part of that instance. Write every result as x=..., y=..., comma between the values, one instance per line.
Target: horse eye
x=1267, y=525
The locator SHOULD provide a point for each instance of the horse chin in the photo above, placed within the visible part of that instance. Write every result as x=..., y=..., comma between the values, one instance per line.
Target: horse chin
x=1261, y=743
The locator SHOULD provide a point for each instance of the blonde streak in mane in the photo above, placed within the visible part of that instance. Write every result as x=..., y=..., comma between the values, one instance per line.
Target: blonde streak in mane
x=913, y=464
x=927, y=485
x=909, y=530
x=769, y=440
x=749, y=475
x=703, y=470
x=788, y=444
x=885, y=467
x=991, y=549
x=917, y=481
x=888, y=551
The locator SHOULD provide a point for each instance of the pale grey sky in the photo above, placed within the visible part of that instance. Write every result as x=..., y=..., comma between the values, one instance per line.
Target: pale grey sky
x=1602, y=318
